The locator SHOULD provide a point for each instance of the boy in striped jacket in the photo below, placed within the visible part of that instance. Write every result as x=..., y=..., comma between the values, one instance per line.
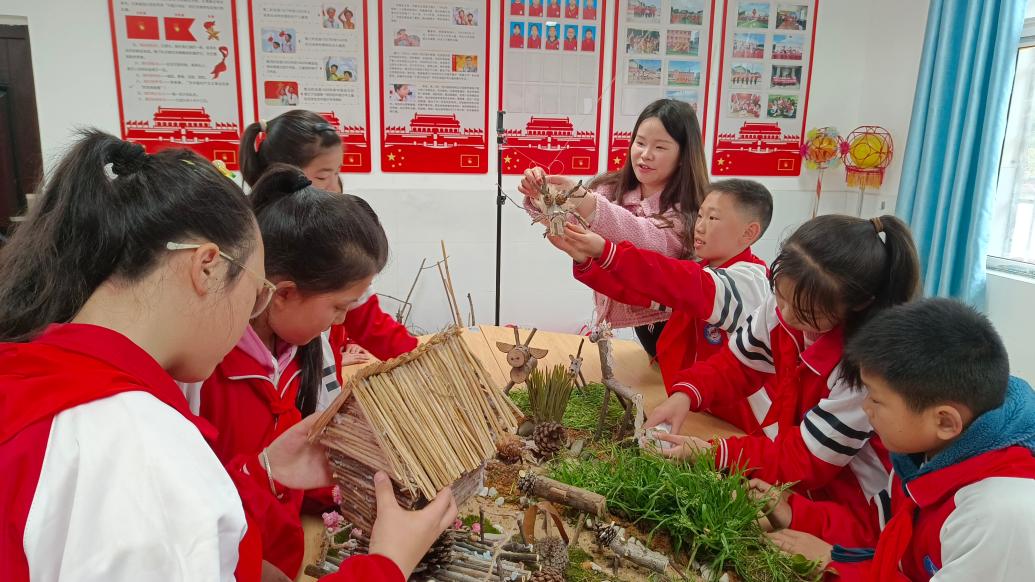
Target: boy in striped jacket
x=707, y=298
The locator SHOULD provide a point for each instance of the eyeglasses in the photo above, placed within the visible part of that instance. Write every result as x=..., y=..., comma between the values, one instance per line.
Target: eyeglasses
x=262, y=297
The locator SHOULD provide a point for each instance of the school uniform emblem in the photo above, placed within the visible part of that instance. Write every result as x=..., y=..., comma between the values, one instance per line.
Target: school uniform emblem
x=713, y=334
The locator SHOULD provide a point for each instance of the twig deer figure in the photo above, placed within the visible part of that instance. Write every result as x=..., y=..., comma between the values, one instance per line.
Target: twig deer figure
x=575, y=367
x=557, y=207
x=521, y=357
x=602, y=336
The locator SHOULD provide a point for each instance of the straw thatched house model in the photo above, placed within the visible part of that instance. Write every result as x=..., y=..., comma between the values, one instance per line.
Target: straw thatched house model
x=429, y=418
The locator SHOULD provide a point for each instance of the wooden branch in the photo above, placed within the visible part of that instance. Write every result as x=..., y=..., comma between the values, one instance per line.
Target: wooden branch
x=449, y=288
x=564, y=494
x=638, y=553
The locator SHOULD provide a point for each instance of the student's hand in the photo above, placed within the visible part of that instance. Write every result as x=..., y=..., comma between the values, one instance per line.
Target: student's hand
x=271, y=573
x=354, y=354
x=296, y=463
x=673, y=411
x=405, y=536
x=584, y=241
x=687, y=447
x=800, y=543
x=566, y=246
x=778, y=509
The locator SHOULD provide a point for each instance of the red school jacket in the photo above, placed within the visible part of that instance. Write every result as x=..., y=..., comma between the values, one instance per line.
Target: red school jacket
x=970, y=521
x=72, y=365
x=706, y=303
x=822, y=437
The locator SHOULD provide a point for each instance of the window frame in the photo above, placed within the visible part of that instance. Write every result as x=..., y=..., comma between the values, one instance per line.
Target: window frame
x=993, y=262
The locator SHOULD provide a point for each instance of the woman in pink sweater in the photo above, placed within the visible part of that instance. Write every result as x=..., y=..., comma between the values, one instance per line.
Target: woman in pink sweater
x=651, y=202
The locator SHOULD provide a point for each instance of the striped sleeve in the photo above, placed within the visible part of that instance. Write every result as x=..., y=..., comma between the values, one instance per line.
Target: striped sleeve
x=751, y=342
x=739, y=290
x=836, y=429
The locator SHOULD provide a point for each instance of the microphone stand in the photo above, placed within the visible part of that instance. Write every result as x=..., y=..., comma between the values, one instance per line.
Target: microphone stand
x=501, y=199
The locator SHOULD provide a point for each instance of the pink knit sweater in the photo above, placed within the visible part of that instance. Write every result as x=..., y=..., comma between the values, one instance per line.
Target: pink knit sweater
x=629, y=220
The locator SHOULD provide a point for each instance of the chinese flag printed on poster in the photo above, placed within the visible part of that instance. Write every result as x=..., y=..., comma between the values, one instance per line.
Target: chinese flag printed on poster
x=142, y=27
x=766, y=68
x=434, y=86
x=314, y=57
x=187, y=92
x=549, y=89
x=662, y=50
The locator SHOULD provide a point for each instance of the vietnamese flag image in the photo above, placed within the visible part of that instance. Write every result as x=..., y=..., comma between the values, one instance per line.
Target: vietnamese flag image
x=179, y=29
x=142, y=27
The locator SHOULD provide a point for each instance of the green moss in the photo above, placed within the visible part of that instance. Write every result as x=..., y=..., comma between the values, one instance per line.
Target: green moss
x=487, y=525
x=708, y=515
x=575, y=573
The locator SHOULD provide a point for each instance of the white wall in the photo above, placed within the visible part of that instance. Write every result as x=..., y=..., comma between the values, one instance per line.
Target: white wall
x=864, y=72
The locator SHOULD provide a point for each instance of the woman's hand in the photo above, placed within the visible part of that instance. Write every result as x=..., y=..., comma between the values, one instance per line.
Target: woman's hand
x=533, y=179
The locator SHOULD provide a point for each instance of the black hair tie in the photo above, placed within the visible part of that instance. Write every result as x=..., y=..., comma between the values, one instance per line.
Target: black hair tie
x=127, y=158
x=301, y=183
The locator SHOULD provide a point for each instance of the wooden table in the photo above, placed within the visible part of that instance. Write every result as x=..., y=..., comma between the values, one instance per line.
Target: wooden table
x=632, y=366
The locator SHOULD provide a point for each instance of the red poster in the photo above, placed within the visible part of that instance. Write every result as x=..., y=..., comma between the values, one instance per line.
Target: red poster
x=434, y=86
x=765, y=75
x=662, y=49
x=312, y=54
x=178, y=82
x=551, y=80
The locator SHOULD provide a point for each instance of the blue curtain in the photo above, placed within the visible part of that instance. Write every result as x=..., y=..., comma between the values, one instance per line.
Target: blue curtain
x=956, y=133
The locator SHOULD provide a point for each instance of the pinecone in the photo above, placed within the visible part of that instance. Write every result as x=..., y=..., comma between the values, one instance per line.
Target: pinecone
x=441, y=553
x=525, y=482
x=607, y=534
x=509, y=449
x=547, y=575
x=549, y=438
x=553, y=552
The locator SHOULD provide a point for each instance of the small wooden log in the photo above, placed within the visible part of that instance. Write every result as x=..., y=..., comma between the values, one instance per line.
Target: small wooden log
x=639, y=554
x=575, y=497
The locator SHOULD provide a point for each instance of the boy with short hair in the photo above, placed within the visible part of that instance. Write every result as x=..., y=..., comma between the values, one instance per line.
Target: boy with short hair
x=962, y=435
x=709, y=298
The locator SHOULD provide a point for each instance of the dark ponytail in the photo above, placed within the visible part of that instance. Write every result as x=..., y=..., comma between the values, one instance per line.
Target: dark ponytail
x=295, y=137
x=848, y=267
x=108, y=211
x=321, y=241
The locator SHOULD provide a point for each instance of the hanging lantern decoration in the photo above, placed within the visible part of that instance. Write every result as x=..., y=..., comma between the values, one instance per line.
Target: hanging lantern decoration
x=823, y=148
x=870, y=150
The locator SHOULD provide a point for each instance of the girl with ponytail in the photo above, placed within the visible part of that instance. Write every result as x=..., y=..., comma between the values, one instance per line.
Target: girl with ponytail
x=832, y=275
x=322, y=252
x=133, y=271
x=306, y=140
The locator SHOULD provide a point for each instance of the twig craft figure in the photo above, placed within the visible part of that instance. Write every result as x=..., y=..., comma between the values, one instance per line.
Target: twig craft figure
x=521, y=357
x=602, y=336
x=429, y=418
x=557, y=206
x=575, y=367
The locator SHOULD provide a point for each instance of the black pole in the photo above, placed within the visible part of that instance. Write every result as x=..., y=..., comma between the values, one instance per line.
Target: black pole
x=500, y=201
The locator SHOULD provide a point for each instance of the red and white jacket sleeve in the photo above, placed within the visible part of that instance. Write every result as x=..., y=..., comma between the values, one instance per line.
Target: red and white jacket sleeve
x=719, y=296
x=377, y=332
x=738, y=370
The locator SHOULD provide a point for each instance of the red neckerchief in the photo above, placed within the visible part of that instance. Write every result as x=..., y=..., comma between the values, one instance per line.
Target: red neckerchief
x=73, y=364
